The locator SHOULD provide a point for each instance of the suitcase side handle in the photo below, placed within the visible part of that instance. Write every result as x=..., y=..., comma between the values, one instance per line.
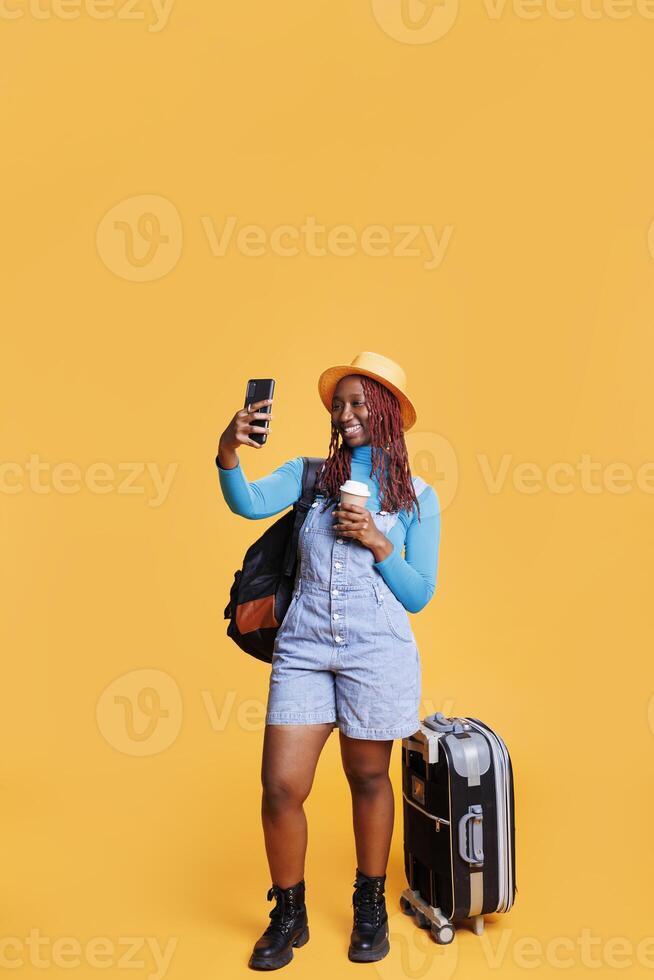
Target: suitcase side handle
x=474, y=819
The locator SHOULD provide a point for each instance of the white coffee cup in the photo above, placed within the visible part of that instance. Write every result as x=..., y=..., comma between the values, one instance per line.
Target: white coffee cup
x=354, y=492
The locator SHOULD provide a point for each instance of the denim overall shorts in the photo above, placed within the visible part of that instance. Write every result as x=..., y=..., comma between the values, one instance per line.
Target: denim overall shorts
x=345, y=652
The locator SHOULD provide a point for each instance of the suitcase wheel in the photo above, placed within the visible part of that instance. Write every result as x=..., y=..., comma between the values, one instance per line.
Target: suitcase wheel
x=443, y=934
x=406, y=906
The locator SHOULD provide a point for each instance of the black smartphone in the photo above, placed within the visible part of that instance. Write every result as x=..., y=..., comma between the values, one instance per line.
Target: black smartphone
x=256, y=391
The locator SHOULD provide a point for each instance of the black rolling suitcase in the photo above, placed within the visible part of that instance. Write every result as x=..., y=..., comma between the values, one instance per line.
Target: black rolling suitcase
x=459, y=825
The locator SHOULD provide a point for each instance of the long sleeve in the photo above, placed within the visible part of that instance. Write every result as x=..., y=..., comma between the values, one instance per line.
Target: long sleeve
x=412, y=579
x=266, y=496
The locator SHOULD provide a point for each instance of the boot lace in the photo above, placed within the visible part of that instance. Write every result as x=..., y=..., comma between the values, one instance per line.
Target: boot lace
x=368, y=903
x=283, y=914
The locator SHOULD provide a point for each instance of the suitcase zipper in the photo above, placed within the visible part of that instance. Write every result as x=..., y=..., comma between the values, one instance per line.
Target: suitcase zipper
x=438, y=820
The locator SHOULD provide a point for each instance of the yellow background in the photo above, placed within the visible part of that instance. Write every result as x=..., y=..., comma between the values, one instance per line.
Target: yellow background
x=531, y=341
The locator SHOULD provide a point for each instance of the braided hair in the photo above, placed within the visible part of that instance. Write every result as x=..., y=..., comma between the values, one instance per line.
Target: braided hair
x=390, y=460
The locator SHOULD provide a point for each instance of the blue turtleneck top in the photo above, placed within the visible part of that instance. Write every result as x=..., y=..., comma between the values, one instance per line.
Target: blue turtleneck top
x=411, y=577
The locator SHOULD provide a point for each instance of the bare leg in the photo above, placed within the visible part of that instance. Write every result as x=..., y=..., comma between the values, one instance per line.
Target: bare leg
x=366, y=762
x=290, y=756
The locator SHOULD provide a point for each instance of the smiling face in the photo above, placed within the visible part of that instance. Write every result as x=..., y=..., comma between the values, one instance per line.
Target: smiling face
x=350, y=412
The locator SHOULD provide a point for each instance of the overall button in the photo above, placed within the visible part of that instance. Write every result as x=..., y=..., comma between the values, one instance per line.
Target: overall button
x=338, y=564
x=339, y=540
x=339, y=639
x=315, y=503
x=336, y=616
x=334, y=591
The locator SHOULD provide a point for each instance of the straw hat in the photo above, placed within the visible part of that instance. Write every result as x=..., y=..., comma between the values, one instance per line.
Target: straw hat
x=382, y=369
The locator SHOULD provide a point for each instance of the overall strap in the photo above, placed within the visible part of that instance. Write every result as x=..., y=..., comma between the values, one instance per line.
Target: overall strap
x=419, y=485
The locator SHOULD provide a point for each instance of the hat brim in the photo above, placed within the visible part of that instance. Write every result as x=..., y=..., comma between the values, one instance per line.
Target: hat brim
x=329, y=379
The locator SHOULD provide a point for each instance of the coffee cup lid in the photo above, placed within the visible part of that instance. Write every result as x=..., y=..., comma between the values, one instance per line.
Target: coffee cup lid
x=355, y=487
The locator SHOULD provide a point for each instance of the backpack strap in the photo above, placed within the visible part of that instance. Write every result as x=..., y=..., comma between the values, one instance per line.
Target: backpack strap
x=309, y=474
x=301, y=507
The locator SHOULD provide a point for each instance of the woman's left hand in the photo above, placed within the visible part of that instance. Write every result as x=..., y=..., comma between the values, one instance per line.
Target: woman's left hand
x=356, y=522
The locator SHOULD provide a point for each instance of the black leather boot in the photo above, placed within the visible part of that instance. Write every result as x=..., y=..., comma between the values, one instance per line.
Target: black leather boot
x=369, y=940
x=288, y=927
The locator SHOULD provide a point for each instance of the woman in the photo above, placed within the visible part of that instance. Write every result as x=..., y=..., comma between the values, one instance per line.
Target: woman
x=345, y=654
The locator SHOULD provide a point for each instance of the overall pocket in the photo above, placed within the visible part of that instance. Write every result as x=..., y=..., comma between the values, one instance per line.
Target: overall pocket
x=292, y=613
x=398, y=620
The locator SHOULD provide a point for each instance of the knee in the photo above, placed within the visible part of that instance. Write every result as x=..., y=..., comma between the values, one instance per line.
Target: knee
x=366, y=781
x=281, y=794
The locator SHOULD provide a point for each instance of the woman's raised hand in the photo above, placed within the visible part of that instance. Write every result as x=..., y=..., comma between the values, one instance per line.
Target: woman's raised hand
x=239, y=430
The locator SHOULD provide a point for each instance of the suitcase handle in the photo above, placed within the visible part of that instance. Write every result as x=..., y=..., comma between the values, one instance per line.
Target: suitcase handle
x=440, y=723
x=475, y=818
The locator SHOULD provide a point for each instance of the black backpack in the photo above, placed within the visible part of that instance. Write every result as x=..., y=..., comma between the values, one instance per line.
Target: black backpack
x=262, y=589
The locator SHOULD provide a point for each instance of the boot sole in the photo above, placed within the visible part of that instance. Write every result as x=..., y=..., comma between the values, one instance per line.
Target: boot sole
x=369, y=955
x=266, y=963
